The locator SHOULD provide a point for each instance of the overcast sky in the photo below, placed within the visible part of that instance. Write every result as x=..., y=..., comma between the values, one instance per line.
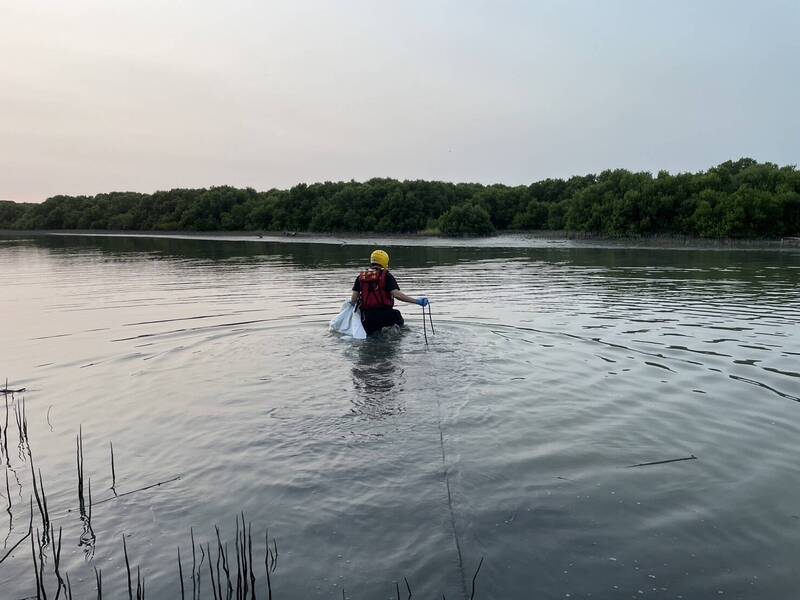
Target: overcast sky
x=143, y=95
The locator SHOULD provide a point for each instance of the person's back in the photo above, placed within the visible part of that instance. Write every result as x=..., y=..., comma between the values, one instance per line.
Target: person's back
x=375, y=291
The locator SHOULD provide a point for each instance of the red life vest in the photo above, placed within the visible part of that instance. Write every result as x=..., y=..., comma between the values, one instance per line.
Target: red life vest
x=373, y=290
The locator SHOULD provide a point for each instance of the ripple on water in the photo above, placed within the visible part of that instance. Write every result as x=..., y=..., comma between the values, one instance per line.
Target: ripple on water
x=507, y=437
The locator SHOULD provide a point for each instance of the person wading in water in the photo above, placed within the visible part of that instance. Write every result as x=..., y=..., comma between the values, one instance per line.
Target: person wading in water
x=375, y=290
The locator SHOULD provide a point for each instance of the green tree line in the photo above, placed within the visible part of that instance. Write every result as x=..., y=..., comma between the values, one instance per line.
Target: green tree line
x=736, y=199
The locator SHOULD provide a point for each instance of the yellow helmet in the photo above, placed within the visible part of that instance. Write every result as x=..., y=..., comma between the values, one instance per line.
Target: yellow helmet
x=379, y=257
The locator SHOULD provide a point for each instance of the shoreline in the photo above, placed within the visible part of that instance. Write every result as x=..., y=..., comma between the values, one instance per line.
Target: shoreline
x=538, y=238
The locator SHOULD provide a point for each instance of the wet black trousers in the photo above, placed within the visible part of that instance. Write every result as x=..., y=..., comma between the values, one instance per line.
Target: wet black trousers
x=378, y=318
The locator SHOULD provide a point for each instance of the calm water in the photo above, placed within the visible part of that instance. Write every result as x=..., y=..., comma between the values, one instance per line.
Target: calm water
x=553, y=368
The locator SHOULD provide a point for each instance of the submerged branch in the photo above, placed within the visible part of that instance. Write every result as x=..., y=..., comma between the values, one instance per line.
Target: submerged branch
x=662, y=462
x=14, y=547
x=474, y=578
x=147, y=487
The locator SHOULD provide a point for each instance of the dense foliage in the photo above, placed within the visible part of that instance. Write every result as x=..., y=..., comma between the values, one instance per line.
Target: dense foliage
x=466, y=219
x=735, y=199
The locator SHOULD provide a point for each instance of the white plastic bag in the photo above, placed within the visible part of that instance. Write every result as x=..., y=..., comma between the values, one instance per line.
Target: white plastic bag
x=348, y=322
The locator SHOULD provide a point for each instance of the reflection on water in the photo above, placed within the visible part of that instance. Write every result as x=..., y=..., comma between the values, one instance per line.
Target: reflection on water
x=554, y=367
x=375, y=377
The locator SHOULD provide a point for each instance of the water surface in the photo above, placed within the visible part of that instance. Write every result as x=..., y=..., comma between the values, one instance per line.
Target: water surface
x=554, y=367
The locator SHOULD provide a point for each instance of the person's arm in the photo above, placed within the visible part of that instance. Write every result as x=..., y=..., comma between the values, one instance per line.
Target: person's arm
x=354, y=297
x=406, y=298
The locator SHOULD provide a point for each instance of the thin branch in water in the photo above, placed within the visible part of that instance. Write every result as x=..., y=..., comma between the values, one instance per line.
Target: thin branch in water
x=57, y=558
x=267, y=565
x=87, y=538
x=180, y=573
x=25, y=424
x=41, y=561
x=36, y=492
x=8, y=494
x=226, y=568
x=194, y=565
x=147, y=487
x=245, y=569
x=662, y=462
x=211, y=571
x=219, y=558
x=14, y=547
x=250, y=556
x=6, y=468
x=22, y=428
x=200, y=566
x=36, y=569
x=79, y=460
x=7, y=391
x=113, y=471
x=127, y=567
x=5, y=434
x=41, y=501
x=275, y=556
x=18, y=407
x=243, y=552
x=25, y=537
x=474, y=577
x=44, y=499
x=98, y=577
x=238, y=563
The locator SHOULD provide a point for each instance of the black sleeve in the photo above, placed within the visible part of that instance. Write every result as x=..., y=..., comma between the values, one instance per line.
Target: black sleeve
x=391, y=283
x=357, y=285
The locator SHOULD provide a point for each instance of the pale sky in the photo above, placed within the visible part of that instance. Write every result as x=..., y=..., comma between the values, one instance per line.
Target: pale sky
x=141, y=95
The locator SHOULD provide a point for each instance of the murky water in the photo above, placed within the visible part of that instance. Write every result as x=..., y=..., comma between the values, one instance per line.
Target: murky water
x=554, y=367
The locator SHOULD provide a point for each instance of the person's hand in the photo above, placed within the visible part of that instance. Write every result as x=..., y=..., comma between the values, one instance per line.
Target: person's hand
x=423, y=301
